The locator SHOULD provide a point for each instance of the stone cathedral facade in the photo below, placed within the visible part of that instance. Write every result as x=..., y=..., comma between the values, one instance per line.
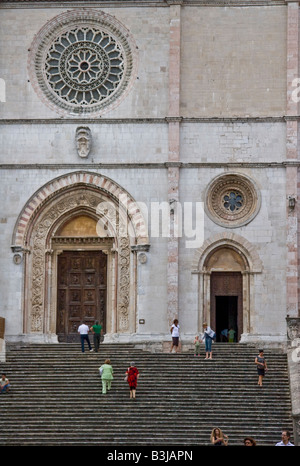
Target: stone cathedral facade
x=149, y=168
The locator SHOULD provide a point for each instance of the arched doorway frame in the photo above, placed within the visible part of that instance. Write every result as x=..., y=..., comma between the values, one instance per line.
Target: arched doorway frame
x=252, y=265
x=34, y=235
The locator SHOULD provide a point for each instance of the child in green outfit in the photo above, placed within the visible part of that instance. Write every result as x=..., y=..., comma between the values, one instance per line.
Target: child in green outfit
x=197, y=345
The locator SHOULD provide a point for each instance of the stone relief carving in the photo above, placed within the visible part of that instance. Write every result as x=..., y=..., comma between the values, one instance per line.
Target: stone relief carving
x=142, y=258
x=123, y=304
x=293, y=327
x=83, y=141
x=39, y=253
x=17, y=259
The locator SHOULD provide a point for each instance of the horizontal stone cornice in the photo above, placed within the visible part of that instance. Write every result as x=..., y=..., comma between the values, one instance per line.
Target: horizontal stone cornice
x=126, y=121
x=146, y=165
x=138, y=3
x=82, y=240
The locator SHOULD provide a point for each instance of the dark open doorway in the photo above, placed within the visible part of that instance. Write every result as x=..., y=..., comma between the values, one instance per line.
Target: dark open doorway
x=226, y=302
x=226, y=316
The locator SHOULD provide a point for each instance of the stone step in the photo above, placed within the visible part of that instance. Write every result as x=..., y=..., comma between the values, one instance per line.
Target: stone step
x=132, y=440
x=61, y=383
x=242, y=412
x=186, y=422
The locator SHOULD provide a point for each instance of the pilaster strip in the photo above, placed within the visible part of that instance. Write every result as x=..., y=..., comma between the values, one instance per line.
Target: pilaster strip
x=292, y=276
x=174, y=156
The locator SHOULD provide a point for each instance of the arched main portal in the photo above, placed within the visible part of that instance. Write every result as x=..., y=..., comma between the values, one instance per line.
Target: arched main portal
x=82, y=275
x=226, y=265
x=84, y=220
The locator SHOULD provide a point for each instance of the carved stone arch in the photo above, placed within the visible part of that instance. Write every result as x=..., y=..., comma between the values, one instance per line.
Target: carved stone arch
x=248, y=263
x=237, y=242
x=51, y=206
x=86, y=179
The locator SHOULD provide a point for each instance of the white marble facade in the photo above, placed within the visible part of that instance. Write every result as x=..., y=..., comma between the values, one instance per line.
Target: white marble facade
x=209, y=98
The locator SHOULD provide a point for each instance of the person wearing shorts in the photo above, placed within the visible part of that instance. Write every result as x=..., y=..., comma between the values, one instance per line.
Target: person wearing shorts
x=175, y=336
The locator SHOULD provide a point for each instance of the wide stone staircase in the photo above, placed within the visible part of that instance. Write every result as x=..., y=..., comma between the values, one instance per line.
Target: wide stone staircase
x=56, y=397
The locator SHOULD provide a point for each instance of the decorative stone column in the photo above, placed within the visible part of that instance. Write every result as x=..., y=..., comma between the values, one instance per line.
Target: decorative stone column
x=293, y=335
x=292, y=275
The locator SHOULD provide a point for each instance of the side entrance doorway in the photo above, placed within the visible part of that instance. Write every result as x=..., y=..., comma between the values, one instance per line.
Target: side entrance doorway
x=81, y=291
x=227, y=303
x=227, y=266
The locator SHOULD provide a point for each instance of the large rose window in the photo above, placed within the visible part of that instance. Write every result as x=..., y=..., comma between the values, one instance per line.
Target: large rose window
x=83, y=64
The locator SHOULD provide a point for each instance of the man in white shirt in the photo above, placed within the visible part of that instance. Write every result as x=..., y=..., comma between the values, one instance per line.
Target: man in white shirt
x=175, y=336
x=83, y=330
x=285, y=442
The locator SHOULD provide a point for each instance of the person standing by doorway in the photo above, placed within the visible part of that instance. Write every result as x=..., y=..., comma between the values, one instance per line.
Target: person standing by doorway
x=208, y=337
x=83, y=330
x=96, y=329
x=261, y=365
x=224, y=335
x=231, y=335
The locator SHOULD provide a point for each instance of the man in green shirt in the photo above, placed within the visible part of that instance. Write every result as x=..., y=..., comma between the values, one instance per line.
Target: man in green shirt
x=96, y=329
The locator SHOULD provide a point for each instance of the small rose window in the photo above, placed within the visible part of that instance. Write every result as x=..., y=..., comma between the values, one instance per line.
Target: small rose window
x=232, y=200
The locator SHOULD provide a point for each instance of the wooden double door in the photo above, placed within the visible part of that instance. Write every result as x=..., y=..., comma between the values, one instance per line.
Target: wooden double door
x=81, y=291
x=227, y=302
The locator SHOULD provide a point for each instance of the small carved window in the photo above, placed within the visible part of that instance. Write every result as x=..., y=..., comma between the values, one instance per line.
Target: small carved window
x=233, y=201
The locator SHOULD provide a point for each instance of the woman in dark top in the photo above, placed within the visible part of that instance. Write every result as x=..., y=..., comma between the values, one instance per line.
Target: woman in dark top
x=261, y=366
x=218, y=439
x=132, y=375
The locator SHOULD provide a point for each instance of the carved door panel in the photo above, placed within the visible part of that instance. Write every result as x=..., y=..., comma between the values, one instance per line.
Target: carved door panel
x=81, y=291
x=227, y=285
